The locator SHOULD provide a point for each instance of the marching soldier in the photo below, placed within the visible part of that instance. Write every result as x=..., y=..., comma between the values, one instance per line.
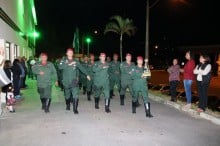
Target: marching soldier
x=45, y=72
x=71, y=68
x=115, y=76
x=126, y=80
x=140, y=85
x=101, y=81
x=89, y=84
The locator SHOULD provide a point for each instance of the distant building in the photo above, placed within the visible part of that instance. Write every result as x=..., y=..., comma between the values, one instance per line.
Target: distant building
x=212, y=50
x=17, y=28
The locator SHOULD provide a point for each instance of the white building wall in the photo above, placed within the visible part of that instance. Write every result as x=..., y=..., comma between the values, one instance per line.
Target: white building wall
x=21, y=14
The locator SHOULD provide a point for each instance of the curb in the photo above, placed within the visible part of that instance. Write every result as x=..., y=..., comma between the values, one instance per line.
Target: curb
x=191, y=112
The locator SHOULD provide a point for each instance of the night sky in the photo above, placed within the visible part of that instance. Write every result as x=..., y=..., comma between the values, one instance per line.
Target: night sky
x=172, y=23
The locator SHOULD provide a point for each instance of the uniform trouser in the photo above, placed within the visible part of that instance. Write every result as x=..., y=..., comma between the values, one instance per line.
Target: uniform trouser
x=45, y=92
x=83, y=80
x=71, y=92
x=124, y=85
x=203, y=91
x=115, y=81
x=102, y=88
x=143, y=91
x=89, y=85
x=173, y=85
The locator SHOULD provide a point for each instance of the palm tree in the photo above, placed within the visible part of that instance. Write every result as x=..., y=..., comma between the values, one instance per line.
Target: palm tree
x=120, y=26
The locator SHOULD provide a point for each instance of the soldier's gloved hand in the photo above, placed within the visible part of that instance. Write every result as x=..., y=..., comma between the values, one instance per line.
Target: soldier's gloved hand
x=88, y=77
x=56, y=83
x=41, y=73
x=72, y=63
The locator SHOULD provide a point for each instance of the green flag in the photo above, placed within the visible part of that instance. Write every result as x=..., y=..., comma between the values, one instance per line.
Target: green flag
x=76, y=41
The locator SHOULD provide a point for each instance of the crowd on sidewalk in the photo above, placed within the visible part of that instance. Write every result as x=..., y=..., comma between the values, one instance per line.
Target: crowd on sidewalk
x=200, y=73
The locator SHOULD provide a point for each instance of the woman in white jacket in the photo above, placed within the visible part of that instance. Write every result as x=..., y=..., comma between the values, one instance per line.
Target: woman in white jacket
x=203, y=72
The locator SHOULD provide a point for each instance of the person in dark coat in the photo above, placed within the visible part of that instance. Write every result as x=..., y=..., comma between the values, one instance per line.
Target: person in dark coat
x=16, y=70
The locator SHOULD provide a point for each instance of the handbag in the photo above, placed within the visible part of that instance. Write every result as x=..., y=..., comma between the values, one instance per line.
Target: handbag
x=4, y=80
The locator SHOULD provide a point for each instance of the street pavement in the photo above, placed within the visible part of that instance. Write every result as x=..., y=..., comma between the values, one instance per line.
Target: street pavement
x=30, y=126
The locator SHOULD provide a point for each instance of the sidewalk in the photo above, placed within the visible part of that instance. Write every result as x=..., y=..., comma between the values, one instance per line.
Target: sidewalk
x=191, y=112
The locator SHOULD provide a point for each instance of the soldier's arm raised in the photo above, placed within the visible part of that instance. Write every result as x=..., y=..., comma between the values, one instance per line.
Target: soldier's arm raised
x=96, y=68
x=36, y=69
x=62, y=64
x=83, y=70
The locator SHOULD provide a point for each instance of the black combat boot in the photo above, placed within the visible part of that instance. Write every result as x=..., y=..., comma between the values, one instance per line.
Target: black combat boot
x=75, y=105
x=147, y=110
x=96, y=102
x=122, y=98
x=43, y=102
x=111, y=94
x=68, y=104
x=47, y=107
x=89, y=95
x=107, y=103
x=133, y=107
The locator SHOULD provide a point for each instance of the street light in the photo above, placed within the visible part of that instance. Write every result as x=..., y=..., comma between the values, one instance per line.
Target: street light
x=88, y=41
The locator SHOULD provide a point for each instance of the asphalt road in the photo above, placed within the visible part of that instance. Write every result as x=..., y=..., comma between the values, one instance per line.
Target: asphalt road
x=30, y=126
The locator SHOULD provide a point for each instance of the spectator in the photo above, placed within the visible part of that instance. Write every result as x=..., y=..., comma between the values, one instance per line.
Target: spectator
x=174, y=72
x=30, y=63
x=22, y=73
x=23, y=63
x=203, y=72
x=7, y=91
x=16, y=70
x=188, y=78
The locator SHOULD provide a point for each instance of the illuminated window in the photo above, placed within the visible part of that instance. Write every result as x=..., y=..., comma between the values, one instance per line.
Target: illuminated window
x=15, y=51
x=7, y=51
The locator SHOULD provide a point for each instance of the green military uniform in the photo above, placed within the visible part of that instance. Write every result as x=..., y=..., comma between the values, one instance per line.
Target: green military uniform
x=115, y=76
x=83, y=78
x=139, y=85
x=44, y=82
x=126, y=80
x=70, y=70
x=89, y=84
x=101, y=83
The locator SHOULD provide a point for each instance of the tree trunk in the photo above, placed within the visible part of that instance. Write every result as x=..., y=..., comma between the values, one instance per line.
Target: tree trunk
x=121, y=38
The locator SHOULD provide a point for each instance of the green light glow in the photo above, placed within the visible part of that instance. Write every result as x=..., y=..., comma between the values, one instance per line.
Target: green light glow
x=88, y=40
x=36, y=34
